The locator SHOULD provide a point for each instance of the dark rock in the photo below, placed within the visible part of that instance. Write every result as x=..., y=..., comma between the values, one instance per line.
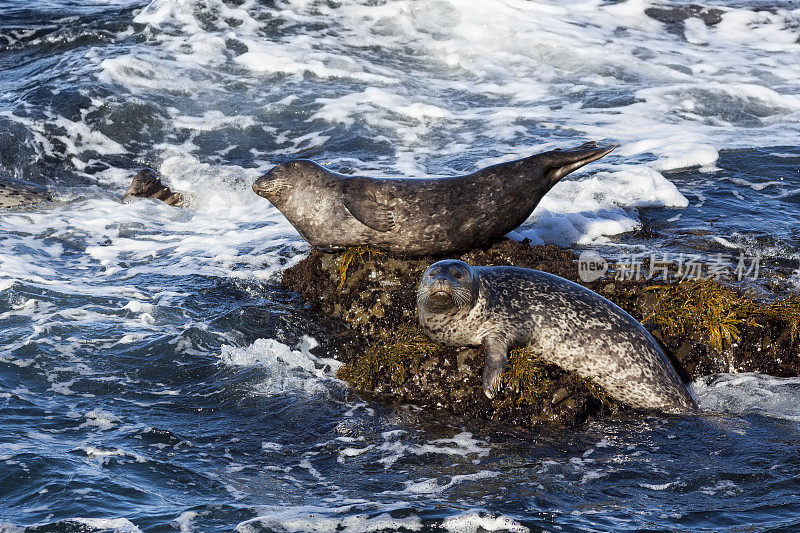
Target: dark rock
x=705, y=327
x=674, y=15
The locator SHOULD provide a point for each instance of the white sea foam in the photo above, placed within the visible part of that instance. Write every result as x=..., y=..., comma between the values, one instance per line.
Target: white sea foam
x=657, y=487
x=318, y=519
x=117, y=525
x=101, y=419
x=724, y=488
x=105, y=455
x=433, y=486
x=587, y=211
x=473, y=521
x=749, y=393
x=139, y=307
x=185, y=522
x=760, y=186
x=472, y=77
x=216, y=238
x=463, y=444
x=288, y=369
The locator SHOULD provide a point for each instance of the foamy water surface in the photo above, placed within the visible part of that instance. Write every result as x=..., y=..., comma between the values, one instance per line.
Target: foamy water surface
x=154, y=377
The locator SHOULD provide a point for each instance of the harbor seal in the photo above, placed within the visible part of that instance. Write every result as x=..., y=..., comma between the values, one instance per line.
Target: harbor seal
x=18, y=193
x=147, y=184
x=564, y=323
x=428, y=216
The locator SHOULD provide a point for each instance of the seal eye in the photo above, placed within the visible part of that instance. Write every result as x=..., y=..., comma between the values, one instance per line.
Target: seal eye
x=434, y=272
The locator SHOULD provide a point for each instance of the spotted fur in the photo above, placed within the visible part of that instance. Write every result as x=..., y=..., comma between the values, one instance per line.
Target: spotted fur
x=17, y=193
x=561, y=321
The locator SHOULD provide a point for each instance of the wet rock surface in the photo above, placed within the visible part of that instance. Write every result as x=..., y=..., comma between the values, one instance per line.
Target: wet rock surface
x=704, y=326
x=675, y=15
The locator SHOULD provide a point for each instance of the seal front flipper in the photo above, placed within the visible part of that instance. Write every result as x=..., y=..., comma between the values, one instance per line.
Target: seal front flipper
x=495, y=361
x=366, y=208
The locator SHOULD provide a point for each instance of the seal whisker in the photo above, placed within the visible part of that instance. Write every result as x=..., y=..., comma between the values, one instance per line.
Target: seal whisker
x=462, y=296
x=422, y=298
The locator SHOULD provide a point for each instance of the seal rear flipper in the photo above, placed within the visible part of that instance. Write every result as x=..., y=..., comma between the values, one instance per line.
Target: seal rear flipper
x=368, y=210
x=559, y=163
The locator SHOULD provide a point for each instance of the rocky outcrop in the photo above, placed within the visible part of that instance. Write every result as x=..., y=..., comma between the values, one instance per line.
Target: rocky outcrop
x=705, y=326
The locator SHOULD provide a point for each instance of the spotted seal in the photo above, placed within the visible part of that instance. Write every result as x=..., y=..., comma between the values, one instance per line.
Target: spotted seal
x=426, y=216
x=18, y=193
x=564, y=323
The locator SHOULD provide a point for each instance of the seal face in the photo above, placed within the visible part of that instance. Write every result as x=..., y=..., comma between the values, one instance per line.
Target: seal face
x=502, y=308
x=416, y=216
x=18, y=193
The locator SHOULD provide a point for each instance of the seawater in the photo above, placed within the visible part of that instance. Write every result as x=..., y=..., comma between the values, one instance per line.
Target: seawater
x=154, y=377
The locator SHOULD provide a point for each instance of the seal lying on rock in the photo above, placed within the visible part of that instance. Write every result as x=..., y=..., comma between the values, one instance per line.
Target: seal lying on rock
x=564, y=323
x=18, y=193
x=428, y=216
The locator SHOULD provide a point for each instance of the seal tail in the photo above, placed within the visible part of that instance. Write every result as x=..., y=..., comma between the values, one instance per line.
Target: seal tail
x=559, y=163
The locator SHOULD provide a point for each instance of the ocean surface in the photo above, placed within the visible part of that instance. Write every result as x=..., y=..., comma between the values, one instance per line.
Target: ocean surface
x=154, y=377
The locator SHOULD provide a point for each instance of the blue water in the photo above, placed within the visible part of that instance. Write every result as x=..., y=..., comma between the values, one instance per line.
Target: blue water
x=153, y=375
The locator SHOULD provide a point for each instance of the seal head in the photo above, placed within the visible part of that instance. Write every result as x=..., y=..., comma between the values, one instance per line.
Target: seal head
x=448, y=287
x=277, y=184
x=147, y=184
